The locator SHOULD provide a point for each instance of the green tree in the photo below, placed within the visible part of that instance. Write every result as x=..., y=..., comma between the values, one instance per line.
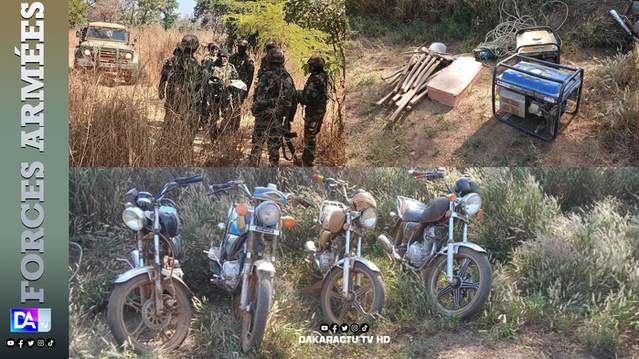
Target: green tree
x=263, y=21
x=328, y=16
x=168, y=13
x=148, y=11
x=78, y=11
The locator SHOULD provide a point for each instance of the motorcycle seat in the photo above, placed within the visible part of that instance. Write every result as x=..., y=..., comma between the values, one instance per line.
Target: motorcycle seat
x=413, y=211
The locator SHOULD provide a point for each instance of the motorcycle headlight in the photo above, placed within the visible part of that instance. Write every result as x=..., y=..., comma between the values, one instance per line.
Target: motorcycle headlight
x=268, y=213
x=133, y=217
x=86, y=52
x=471, y=203
x=369, y=218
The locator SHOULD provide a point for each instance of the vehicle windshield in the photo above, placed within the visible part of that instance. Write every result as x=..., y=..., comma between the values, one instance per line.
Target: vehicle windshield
x=107, y=34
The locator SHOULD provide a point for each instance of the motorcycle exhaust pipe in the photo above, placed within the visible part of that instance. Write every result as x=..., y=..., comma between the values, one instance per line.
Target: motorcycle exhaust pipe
x=386, y=245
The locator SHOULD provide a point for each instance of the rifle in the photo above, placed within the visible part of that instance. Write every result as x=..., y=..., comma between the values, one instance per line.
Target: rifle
x=288, y=135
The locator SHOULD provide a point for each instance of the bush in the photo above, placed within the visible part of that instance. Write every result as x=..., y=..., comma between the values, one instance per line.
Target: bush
x=515, y=208
x=578, y=188
x=581, y=257
x=587, y=266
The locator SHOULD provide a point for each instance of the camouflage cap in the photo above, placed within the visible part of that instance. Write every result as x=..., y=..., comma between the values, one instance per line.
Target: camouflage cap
x=190, y=42
x=223, y=53
x=275, y=56
x=316, y=61
x=242, y=43
x=212, y=46
x=270, y=45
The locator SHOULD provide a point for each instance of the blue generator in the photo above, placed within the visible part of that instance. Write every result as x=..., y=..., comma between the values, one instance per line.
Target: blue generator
x=532, y=94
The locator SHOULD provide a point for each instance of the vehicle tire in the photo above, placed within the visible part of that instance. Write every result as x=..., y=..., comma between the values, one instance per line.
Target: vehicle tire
x=363, y=303
x=260, y=294
x=125, y=316
x=474, y=264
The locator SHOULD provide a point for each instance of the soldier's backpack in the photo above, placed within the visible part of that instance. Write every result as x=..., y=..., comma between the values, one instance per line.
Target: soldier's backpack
x=287, y=100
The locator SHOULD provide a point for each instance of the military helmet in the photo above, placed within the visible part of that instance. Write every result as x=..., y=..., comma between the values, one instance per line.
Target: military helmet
x=316, y=61
x=190, y=42
x=275, y=56
x=270, y=45
x=242, y=43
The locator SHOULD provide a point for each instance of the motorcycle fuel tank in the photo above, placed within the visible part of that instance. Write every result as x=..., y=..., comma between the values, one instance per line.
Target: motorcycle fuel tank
x=269, y=193
x=333, y=217
x=169, y=221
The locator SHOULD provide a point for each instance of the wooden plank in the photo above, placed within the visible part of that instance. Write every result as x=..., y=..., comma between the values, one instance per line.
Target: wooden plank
x=450, y=86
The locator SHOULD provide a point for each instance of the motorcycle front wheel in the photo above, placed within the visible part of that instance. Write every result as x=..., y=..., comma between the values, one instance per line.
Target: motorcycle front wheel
x=258, y=298
x=473, y=280
x=364, y=300
x=131, y=315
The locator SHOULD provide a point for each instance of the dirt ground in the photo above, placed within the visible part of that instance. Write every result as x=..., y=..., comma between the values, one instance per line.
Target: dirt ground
x=203, y=151
x=480, y=344
x=432, y=134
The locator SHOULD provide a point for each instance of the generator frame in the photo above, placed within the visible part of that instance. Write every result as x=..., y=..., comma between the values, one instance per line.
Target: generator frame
x=561, y=98
x=533, y=54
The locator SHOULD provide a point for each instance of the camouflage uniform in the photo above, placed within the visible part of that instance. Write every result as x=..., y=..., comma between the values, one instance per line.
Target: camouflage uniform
x=314, y=97
x=219, y=95
x=244, y=65
x=180, y=83
x=272, y=100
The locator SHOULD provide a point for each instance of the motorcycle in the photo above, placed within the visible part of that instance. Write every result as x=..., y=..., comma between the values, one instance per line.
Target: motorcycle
x=243, y=260
x=458, y=275
x=150, y=306
x=351, y=286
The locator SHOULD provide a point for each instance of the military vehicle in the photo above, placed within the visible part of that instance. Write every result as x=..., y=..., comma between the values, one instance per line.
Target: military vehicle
x=106, y=47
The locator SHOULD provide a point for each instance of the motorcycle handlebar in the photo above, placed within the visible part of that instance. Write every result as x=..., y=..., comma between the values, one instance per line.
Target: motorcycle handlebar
x=188, y=180
x=429, y=175
x=220, y=187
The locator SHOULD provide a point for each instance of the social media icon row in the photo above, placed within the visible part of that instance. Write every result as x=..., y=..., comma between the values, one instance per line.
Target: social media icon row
x=354, y=328
x=30, y=343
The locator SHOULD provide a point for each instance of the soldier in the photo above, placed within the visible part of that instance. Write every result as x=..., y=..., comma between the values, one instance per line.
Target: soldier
x=218, y=94
x=180, y=83
x=314, y=97
x=244, y=65
x=269, y=46
x=273, y=99
x=213, y=48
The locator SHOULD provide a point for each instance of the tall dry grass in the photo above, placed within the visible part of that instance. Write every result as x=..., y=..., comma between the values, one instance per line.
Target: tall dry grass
x=117, y=125
x=618, y=80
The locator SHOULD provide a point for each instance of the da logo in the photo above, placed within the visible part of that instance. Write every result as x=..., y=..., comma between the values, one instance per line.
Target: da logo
x=31, y=320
